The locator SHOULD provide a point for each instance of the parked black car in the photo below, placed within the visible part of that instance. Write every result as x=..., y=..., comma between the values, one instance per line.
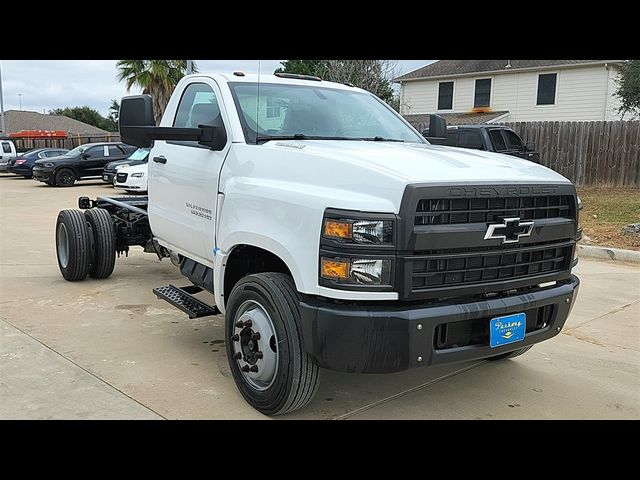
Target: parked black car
x=85, y=161
x=493, y=138
x=138, y=157
x=23, y=163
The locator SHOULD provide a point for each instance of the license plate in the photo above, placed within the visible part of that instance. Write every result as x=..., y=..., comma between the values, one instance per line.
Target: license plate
x=105, y=178
x=507, y=329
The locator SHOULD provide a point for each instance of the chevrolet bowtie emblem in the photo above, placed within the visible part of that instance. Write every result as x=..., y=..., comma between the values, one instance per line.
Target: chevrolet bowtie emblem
x=509, y=231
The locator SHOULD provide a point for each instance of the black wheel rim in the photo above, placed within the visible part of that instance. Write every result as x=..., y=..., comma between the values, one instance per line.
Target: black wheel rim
x=65, y=178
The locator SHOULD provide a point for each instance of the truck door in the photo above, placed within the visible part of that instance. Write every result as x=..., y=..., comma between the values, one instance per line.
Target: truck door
x=183, y=182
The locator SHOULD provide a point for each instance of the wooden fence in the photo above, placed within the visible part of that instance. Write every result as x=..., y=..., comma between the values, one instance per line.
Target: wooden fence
x=594, y=154
x=72, y=141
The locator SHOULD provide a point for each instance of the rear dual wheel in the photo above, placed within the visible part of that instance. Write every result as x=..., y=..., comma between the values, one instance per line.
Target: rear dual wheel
x=85, y=244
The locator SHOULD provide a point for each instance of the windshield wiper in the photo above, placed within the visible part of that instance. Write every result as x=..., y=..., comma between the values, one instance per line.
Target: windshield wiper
x=302, y=136
x=381, y=139
x=299, y=136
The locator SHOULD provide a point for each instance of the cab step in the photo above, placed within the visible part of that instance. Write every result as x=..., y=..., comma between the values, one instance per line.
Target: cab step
x=181, y=298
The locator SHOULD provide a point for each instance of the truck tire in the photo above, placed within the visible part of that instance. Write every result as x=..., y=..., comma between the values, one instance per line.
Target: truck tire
x=104, y=236
x=515, y=353
x=271, y=369
x=65, y=177
x=73, y=245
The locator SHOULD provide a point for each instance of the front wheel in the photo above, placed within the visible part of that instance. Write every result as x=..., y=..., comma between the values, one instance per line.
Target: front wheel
x=65, y=177
x=266, y=357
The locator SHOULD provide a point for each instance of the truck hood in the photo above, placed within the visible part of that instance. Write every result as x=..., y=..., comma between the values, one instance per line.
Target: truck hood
x=420, y=163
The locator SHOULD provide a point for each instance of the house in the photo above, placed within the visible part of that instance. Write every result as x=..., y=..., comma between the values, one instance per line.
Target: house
x=16, y=120
x=490, y=91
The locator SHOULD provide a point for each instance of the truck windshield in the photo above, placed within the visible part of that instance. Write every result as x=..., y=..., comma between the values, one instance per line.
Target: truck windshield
x=311, y=112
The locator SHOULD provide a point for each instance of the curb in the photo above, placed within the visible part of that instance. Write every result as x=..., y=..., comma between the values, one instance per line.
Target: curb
x=608, y=253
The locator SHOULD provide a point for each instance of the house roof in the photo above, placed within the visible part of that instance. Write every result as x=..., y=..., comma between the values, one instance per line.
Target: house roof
x=443, y=68
x=16, y=120
x=421, y=121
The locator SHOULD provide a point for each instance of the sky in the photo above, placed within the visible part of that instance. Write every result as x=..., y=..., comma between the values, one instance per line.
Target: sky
x=42, y=85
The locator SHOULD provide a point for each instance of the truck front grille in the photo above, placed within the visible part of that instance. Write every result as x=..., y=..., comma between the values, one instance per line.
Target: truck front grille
x=443, y=211
x=451, y=267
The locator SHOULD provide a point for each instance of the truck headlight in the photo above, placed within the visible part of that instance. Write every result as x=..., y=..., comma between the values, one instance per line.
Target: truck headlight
x=137, y=175
x=359, y=231
x=357, y=271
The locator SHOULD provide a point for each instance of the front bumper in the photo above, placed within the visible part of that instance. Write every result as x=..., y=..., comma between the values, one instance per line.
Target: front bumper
x=4, y=167
x=381, y=339
x=108, y=177
x=41, y=174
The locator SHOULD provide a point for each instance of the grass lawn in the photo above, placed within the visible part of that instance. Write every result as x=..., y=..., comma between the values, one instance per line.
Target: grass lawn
x=606, y=211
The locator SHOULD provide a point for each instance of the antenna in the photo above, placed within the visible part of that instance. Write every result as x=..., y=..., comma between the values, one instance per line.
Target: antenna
x=258, y=102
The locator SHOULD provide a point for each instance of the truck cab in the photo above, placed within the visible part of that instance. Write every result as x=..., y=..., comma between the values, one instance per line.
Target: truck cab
x=490, y=138
x=332, y=235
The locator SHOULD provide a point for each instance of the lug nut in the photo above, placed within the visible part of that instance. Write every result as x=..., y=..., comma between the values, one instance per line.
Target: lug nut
x=239, y=324
x=419, y=359
x=255, y=336
x=258, y=355
x=236, y=338
x=237, y=356
x=254, y=368
x=248, y=323
x=245, y=368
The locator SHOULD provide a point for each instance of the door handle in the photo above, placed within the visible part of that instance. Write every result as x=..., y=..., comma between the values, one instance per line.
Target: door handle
x=160, y=159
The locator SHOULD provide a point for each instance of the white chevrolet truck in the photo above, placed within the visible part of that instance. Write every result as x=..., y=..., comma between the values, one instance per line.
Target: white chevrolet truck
x=332, y=234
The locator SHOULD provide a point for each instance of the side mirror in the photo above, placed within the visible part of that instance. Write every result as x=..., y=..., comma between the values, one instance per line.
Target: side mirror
x=138, y=127
x=437, y=127
x=85, y=155
x=530, y=146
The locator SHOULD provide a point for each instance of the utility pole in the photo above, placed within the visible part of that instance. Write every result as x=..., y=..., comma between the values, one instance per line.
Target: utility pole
x=1, y=105
x=20, y=100
x=189, y=67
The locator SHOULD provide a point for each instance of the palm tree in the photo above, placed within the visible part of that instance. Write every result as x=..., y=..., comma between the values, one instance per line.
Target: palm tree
x=158, y=78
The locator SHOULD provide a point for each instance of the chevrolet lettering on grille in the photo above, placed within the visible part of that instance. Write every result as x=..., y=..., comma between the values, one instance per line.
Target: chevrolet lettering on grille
x=509, y=231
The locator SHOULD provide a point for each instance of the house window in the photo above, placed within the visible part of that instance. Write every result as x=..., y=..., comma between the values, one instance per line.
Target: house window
x=273, y=107
x=482, y=96
x=445, y=96
x=547, y=89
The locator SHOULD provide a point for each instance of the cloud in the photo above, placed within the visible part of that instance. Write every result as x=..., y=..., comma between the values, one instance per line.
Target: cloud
x=48, y=84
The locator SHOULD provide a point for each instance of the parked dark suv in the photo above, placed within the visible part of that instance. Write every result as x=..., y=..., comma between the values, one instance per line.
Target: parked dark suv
x=85, y=161
x=493, y=138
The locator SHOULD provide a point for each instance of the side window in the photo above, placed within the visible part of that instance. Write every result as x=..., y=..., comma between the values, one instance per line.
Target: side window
x=114, y=151
x=6, y=147
x=43, y=154
x=547, y=89
x=471, y=139
x=445, y=96
x=95, y=152
x=198, y=106
x=497, y=140
x=513, y=140
x=54, y=153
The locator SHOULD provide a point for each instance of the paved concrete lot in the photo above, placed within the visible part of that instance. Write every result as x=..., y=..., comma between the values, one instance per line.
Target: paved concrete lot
x=110, y=349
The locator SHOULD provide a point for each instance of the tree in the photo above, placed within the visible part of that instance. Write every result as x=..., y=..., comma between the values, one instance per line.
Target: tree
x=373, y=75
x=158, y=78
x=87, y=115
x=114, y=111
x=629, y=87
x=301, y=67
